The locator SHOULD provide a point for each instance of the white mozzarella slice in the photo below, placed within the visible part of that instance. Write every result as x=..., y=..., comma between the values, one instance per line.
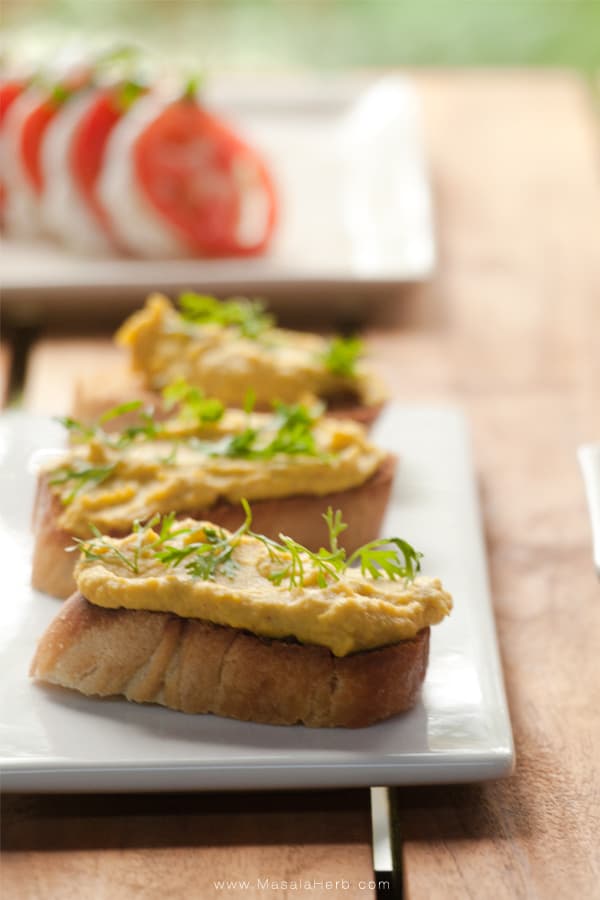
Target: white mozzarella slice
x=138, y=226
x=22, y=210
x=64, y=210
x=255, y=204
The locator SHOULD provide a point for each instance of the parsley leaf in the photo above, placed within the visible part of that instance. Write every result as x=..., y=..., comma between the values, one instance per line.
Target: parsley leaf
x=342, y=354
x=205, y=559
x=249, y=401
x=80, y=475
x=145, y=427
x=128, y=92
x=240, y=446
x=377, y=558
x=248, y=316
x=192, y=402
x=79, y=430
x=213, y=554
x=294, y=436
x=60, y=94
x=121, y=410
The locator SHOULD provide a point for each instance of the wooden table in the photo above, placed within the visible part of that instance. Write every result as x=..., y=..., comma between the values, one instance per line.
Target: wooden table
x=510, y=330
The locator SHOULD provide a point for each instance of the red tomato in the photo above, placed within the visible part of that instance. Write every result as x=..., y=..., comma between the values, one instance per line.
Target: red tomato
x=88, y=145
x=185, y=161
x=9, y=91
x=32, y=133
x=34, y=127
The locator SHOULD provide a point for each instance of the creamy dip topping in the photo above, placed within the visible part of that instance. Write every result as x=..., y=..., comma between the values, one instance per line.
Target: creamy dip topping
x=276, y=365
x=356, y=613
x=185, y=469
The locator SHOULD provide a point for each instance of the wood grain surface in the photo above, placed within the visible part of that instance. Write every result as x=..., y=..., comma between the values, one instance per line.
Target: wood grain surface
x=509, y=330
x=5, y=366
x=517, y=344
x=53, y=364
x=178, y=845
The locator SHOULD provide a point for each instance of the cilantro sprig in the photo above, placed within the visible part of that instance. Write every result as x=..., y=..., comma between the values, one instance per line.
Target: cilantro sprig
x=294, y=436
x=248, y=316
x=212, y=555
x=203, y=559
x=391, y=557
x=293, y=432
x=98, y=548
x=207, y=558
x=191, y=402
x=128, y=92
x=79, y=430
x=145, y=427
x=79, y=475
x=342, y=355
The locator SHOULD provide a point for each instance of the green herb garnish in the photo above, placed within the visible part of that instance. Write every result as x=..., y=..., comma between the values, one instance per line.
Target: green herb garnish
x=60, y=94
x=249, y=401
x=202, y=559
x=248, y=316
x=294, y=426
x=121, y=410
x=213, y=555
x=239, y=446
x=90, y=550
x=79, y=430
x=294, y=436
x=192, y=87
x=205, y=558
x=127, y=94
x=342, y=354
x=392, y=557
x=80, y=475
x=192, y=403
x=145, y=427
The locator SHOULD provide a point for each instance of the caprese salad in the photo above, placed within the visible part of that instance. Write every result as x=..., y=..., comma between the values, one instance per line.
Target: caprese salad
x=115, y=164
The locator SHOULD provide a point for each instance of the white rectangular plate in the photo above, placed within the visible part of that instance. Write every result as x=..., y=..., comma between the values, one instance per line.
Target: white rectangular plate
x=354, y=200
x=57, y=740
x=589, y=462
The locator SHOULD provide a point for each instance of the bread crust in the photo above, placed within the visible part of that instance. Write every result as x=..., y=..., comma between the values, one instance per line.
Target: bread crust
x=196, y=667
x=96, y=392
x=363, y=508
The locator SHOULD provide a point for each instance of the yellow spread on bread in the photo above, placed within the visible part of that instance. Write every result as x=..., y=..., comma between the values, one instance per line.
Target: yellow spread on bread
x=279, y=365
x=356, y=612
x=181, y=470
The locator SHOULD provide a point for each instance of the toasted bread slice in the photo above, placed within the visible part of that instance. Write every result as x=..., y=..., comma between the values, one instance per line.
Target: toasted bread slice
x=362, y=507
x=197, y=667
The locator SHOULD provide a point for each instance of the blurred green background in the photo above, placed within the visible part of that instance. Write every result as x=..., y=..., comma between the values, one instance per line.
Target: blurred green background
x=332, y=33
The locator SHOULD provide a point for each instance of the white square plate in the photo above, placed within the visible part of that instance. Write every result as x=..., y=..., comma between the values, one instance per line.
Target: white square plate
x=57, y=740
x=354, y=195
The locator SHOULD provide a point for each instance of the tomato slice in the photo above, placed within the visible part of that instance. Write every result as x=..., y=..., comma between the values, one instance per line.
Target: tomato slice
x=33, y=130
x=34, y=127
x=188, y=165
x=88, y=146
x=9, y=91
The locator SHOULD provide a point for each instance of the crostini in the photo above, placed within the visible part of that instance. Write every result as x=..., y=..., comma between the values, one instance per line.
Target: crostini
x=291, y=464
x=194, y=617
x=227, y=348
